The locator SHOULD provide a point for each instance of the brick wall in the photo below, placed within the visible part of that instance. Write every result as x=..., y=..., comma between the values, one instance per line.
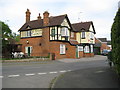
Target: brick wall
x=35, y=43
x=55, y=48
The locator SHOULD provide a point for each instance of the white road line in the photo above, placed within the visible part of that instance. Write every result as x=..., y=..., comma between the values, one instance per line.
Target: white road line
x=69, y=70
x=14, y=75
x=63, y=71
x=99, y=71
x=42, y=73
x=30, y=74
x=53, y=72
x=1, y=76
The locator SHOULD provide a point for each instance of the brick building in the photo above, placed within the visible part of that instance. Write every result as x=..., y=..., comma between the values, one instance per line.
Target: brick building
x=100, y=45
x=85, y=36
x=51, y=35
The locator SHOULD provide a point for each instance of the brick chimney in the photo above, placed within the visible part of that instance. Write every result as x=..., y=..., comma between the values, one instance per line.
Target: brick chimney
x=28, y=15
x=45, y=18
x=39, y=17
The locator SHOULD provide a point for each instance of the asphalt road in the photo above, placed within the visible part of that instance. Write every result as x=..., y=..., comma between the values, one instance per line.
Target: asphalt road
x=40, y=74
x=99, y=77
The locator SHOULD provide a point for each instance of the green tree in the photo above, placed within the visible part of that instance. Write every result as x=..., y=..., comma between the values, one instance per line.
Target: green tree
x=115, y=41
x=6, y=33
x=16, y=37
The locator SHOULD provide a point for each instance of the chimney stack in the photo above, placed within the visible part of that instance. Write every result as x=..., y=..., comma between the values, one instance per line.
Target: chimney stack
x=39, y=17
x=28, y=15
x=46, y=18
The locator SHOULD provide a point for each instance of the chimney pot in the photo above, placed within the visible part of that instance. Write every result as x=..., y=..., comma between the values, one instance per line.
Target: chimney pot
x=39, y=17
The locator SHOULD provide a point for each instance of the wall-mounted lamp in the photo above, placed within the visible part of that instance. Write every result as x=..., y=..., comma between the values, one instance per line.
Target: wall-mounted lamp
x=27, y=42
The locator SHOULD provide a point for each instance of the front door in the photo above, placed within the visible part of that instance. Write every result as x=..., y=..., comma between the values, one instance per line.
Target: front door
x=28, y=50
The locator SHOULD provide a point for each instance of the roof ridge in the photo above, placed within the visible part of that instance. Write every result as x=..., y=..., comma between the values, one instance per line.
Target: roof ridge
x=82, y=22
x=59, y=15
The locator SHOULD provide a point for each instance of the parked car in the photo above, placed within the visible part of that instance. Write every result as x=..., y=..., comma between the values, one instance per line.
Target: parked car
x=18, y=55
x=105, y=52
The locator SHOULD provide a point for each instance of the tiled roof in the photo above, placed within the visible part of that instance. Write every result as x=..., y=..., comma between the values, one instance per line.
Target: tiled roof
x=82, y=26
x=57, y=20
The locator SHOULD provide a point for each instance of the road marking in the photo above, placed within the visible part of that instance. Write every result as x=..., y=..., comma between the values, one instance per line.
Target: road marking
x=53, y=72
x=14, y=75
x=69, y=70
x=42, y=73
x=99, y=71
x=63, y=71
x=1, y=76
x=30, y=74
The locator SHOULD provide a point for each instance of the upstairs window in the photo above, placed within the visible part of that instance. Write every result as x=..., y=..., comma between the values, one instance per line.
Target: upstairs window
x=91, y=36
x=83, y=35
x=53, y=32
x=28, y=33
x=64, y=31
x=72, y=34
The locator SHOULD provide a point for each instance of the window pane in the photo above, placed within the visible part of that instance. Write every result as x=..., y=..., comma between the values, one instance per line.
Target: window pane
x=83, y=35
x=62, y=49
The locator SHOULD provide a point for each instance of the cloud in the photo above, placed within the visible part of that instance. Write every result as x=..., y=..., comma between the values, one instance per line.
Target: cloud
x=101, y=12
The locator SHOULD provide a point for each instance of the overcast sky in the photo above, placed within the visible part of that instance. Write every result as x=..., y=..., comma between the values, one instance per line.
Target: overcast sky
x=101, y=12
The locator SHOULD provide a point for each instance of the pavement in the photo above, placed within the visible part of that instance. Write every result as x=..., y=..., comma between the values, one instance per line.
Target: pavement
x=99, y=77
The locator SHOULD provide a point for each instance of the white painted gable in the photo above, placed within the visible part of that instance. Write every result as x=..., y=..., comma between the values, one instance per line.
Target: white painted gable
x=91, y=28
x=65, y=23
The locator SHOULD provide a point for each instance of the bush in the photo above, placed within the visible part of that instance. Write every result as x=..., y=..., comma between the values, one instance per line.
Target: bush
x=115, y=40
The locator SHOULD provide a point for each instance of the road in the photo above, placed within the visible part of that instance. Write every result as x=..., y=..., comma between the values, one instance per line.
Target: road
x=40, y=74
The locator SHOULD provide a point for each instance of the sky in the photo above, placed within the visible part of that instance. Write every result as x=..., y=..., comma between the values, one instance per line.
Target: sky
x=101, y=12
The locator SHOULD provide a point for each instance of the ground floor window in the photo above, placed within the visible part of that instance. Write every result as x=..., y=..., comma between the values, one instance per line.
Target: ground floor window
x=86, y=49
x=62, y=49
x=91, y=46
x=28, y=50
x=80, y=48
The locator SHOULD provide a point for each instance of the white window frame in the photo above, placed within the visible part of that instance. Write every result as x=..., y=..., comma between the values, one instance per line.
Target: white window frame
x=72, y=34
x=91, y=36
x=83, y=35
x=86, y=49
x=28, y=33
x=62, y=49
x=91, y=46
x=64, y=31
x=80, y=48
x=26, y=49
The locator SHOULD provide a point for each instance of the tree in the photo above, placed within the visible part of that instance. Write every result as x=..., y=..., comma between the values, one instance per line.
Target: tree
x=6, y=33
x=115, y=41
